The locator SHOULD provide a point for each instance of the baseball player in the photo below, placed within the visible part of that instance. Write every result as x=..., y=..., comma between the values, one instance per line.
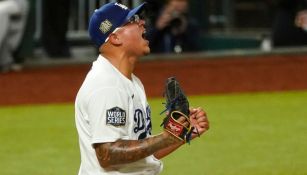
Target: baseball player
x=112, y=115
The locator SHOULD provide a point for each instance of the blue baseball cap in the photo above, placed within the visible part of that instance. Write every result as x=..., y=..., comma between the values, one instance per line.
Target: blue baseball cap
x=109, y=17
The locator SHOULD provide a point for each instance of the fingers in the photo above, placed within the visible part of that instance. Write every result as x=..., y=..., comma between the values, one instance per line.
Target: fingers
x=199, y=118
x=196, y=113
x=193, y=111
x=184, y=121
x=203, y=122
x=204, y=125
x=196, y=110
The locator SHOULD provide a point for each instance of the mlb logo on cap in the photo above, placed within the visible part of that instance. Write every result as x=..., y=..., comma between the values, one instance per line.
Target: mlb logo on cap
x=109, y=17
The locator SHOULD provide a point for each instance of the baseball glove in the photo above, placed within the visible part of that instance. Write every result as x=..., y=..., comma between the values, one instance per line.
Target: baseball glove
x=177, y=105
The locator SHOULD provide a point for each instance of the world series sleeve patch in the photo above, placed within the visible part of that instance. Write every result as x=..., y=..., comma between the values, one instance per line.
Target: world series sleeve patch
x=116, y=117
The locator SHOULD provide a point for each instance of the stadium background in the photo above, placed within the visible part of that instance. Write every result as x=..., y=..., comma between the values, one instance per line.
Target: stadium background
x=200, y=74
x=256, y=100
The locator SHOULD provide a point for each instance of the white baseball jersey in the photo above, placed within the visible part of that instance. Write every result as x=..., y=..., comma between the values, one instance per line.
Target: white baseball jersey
x=109, y=107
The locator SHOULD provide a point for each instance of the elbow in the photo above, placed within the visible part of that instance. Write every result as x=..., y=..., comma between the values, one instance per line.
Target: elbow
x=102, y=156
x=104, y=164
x=157, y=156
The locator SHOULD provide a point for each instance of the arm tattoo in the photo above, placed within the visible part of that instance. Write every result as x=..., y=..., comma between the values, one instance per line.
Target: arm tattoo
x=127, y=151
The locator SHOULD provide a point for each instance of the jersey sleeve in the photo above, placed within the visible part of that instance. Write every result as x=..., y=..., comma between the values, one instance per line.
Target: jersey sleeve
x=108, y=115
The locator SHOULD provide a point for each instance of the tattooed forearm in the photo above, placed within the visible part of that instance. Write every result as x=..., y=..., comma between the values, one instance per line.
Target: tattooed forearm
x=127, y=151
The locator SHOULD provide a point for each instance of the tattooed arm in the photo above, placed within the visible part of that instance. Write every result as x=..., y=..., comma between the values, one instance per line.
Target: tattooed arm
x=127, y=151
x=166, y=151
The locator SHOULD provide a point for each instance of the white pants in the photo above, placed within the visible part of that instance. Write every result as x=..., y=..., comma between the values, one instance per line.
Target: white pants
x=13, y=15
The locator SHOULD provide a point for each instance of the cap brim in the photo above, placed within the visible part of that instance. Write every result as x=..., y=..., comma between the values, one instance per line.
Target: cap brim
x=136, y=10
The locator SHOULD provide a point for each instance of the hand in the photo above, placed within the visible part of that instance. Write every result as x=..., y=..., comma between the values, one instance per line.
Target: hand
x=167, y=15
x=199, y=120
x=301, y=19
x=174, y=130
x=163, y=20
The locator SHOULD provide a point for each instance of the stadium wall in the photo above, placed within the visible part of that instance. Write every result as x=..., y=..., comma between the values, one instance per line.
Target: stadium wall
x=201, y=73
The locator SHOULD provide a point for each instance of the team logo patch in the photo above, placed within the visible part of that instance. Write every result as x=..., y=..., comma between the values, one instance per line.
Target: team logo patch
x=116, y=117
x=105, y=26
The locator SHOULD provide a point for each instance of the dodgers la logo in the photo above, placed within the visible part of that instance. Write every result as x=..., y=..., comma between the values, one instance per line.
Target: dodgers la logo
x=142, y=123
x=148, y=120
x=116, y=117
x=139, y=120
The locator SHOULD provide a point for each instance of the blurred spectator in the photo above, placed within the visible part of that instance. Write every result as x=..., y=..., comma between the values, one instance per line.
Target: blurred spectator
x=12, y=18
x=290, y=26
x=55, y=27
x=27, y=43
x=173, y=30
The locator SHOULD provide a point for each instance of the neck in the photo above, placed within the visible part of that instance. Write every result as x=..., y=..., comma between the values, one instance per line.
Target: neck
x=124, y=64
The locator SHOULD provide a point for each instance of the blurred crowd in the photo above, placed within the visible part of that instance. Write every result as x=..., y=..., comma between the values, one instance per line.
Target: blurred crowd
x=170, y=28
x=17, y=31
x=290, y=24
x=13, y=15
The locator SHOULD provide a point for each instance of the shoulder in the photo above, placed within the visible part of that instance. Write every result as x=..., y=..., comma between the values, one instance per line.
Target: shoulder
x=138, y=81
x=103, y=74
x=99, y=80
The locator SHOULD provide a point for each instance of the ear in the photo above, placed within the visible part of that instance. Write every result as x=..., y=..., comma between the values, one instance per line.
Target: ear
x=114, y=39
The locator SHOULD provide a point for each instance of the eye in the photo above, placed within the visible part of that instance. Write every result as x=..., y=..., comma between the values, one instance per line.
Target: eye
x=134, y=19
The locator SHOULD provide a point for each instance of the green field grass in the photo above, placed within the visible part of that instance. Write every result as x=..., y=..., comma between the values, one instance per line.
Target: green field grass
x=250, y=134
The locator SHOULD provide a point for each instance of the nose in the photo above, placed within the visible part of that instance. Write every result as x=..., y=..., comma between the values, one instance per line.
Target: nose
x=142, y=22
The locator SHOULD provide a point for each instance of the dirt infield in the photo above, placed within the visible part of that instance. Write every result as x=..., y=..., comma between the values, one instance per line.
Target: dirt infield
x=197, y=76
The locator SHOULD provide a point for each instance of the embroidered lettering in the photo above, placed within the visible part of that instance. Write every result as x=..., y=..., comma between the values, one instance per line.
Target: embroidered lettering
x=105, y=26
x=116, y=117
x=121, y=6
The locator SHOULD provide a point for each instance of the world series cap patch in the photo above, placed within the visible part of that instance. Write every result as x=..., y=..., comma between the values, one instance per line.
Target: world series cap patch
x=105, y=26
x=116, y=117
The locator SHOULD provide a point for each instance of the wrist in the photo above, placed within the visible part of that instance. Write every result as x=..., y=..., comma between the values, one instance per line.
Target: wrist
x=171, y=138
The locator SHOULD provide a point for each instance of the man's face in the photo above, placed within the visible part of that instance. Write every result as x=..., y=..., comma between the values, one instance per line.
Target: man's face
x=133, y=35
